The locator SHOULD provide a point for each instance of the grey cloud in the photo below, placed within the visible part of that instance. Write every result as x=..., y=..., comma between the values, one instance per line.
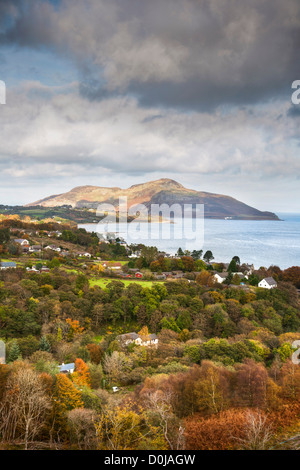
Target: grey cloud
x=294, y=111
x=53, y=133
x=190, y=54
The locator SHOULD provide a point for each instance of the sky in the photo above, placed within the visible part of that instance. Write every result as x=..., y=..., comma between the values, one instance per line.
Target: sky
x=119, y=92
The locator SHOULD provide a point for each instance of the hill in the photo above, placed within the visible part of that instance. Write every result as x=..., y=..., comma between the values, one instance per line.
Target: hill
x=163, y=191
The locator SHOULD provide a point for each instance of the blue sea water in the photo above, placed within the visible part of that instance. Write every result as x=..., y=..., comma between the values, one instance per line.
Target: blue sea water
x=263, y=243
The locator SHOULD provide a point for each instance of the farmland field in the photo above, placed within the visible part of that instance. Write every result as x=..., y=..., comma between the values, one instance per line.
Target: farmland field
x=103, y=282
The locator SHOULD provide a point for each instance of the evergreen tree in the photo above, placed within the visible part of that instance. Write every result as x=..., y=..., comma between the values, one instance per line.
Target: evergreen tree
x=14, y=353
x=179, y=253
x=232, y=268
x=208, y=256
x=44, y=345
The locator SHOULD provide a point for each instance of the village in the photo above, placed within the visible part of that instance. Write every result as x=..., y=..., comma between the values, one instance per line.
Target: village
x=37, y=250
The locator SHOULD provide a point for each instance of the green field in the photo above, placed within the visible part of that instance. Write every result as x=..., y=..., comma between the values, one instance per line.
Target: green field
x=103, y=282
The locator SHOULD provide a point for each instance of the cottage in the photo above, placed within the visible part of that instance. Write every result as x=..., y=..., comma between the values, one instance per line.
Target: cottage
x=32, y=270
x=35, y=249
x=220, y=277
x=159, y=277
x=67, y=368
x=136, y=254
x=44, y=269
x=267, y=283
x=138, y=275
x=84, y=255
x=128, y=338
x=53, y=248
x=112, y=266
x=22, y=242
x=8, y=265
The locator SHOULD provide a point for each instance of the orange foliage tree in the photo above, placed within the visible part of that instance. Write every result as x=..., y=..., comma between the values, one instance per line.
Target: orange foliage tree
x=81, y=376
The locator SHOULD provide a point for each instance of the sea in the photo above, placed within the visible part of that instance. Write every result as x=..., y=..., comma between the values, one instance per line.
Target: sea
x=262, y=243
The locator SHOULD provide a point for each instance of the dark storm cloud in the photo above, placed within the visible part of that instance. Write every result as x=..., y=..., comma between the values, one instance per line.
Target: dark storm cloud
x=190, y=54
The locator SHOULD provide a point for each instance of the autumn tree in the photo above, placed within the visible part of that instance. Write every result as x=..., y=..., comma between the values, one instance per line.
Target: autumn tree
x=212, y=388
x=81, y=376
x=66, y=397
x=205, y=279
x=24, y=406
x=115, y=365
x=251, y=384
x=159, y=404
x=122, y=428
x=82, y=428
x=96, y=352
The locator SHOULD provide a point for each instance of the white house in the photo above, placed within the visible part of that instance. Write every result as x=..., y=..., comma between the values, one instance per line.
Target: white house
x=112, y=266
x=129, y=338
x=53, y=248
x=220, y=277
x=84, y=255
x=67, y=368
x=22, y=242
x=267, y=283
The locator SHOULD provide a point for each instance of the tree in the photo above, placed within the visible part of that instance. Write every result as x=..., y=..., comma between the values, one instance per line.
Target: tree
x=81, y=376
x=14, y=352
x=75, y=328
x=144, y=334
x=292, y=275
x=251, y=384
x=208, y=256
x=59, y=334
x=115, y=365
x=237, y=260
x=82, y=427
x=24, y=406
x=122, y=428
x=290, y=381
x=211, y=388
x=98, y=314
x=149, y=253
x=196, y=254
x=236, y=280
x=159, y=404
x=204, y=278
x=96, y=352
x=66, y=397
x=232, y=268
x=44, y=345
x=257, y=431
x=228, y=430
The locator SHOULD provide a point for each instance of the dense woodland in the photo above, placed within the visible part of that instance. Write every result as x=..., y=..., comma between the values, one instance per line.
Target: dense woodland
x=220, y=378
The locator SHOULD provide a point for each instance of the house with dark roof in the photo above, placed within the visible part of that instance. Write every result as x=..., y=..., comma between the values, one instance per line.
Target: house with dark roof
x=268, y=283
x=220, y=277
x=8, y=265
x=35, y=249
